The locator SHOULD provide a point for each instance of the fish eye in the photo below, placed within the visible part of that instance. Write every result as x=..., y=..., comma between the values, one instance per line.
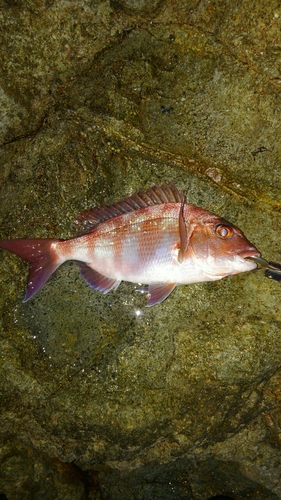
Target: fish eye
x=223, y=231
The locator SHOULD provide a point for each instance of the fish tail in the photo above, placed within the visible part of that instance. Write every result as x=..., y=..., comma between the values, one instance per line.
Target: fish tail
x=42, y=256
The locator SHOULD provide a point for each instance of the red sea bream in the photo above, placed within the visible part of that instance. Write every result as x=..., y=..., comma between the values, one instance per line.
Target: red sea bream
x=152, y=237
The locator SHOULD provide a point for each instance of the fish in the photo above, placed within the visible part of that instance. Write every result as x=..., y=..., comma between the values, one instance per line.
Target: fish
x=153, y=237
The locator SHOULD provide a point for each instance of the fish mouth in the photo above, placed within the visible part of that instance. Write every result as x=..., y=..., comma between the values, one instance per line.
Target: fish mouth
x=253, y=255
x=272, y=269
x=267, y=264
x=258, y=260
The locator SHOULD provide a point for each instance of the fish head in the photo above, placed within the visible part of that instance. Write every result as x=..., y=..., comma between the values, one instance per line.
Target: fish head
x=219, y=247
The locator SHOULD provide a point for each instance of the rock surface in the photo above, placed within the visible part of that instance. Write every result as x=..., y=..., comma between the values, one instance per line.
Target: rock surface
x=101, y=397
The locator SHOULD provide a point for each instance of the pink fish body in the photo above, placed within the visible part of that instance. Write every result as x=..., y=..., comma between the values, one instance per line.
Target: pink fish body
x=152, y=237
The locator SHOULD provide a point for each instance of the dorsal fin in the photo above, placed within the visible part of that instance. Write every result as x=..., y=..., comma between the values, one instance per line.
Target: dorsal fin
x=156, y=195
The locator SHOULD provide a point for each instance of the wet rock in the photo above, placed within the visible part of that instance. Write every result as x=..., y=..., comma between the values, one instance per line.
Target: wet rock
x=101, y=397
x=25, y=473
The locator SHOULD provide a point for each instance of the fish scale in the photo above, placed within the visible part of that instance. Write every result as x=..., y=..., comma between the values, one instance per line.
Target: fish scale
x=132, y=252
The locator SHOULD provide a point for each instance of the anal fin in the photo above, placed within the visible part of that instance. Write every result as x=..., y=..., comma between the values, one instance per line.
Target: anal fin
x=96, y=280
x=159, y=292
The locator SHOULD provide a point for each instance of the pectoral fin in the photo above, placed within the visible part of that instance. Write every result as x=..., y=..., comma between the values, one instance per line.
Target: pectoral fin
x=183, y=233
x=159, y=292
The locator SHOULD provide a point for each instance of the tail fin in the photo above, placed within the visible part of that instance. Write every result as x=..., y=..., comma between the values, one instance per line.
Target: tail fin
x=42, y=257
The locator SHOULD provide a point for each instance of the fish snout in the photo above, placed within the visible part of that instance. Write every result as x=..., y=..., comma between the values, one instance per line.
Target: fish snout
x=250, y=254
